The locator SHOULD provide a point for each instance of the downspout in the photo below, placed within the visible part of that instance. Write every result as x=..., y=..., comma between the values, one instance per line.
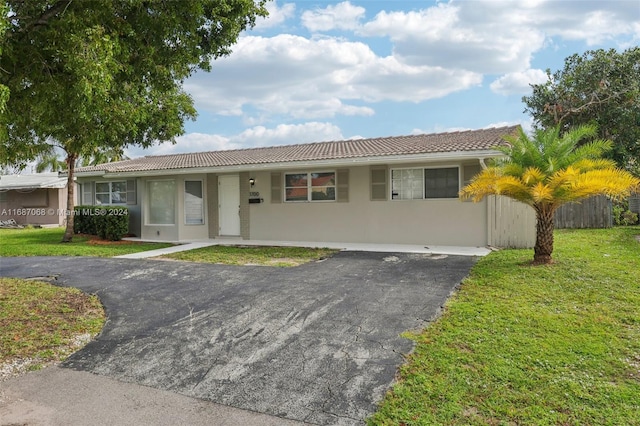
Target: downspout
x=490, y=212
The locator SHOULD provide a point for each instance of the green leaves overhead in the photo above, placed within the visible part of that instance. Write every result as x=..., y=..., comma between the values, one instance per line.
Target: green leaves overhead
x=599, y=87
x=89, y=75
x=109, y=73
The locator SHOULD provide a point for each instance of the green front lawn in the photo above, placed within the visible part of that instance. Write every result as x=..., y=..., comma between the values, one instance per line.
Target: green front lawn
x=46, y=242
x=253, y=255
x=523, y=345
x=40, y=322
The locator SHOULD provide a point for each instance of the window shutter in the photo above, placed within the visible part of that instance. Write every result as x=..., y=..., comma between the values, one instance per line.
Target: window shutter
x=88, y=198
x=378, y=184
x=342, y=186
x=276, y=188
x=131, y=192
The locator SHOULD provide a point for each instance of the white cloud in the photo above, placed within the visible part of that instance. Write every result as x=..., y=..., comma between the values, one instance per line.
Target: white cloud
x=277, y=15
x=518, y=83
x=283, y=134
x=315, y=78
x=287, y=134
x=342, y=16
x=589, y=21
x=497, y=36
x=436, y=51
x=191, y=142
x=472, y=36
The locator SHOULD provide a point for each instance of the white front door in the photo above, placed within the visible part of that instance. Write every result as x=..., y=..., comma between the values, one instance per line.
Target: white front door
x=229, y=205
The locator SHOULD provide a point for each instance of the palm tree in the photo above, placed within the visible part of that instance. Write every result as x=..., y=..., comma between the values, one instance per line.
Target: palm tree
x=548, y=170
x=100, y=156
x=49, y=161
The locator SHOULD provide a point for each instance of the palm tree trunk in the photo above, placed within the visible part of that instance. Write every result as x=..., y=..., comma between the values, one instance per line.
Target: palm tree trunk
x=544, y=235
x=68, y=233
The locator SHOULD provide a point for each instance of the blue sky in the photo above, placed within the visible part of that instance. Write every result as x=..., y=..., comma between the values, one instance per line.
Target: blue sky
x=328, y=70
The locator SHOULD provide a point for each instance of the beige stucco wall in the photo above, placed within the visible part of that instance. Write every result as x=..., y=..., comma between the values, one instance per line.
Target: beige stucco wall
x=180, y=230
x=35, y=207
x=360, y=220
x=428, y=222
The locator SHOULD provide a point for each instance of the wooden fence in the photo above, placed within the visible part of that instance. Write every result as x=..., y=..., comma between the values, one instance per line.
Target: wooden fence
x=634, y=203
x=511, y=224
x=594, y=212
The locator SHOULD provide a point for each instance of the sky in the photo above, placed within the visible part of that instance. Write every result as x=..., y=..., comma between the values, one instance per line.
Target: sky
x=327, y=70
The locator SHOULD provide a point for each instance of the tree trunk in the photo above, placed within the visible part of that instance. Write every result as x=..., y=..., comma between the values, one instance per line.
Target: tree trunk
x=71, y=163
x=544, y=235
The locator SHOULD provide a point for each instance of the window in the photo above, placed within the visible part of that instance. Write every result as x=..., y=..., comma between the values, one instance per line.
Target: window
x=87, y=194
x=418, y=184
x=441, y=183
x=3, y=196
x=407, y=184
x=193, y=203
x=316, y=186
x=111, y=192
x=162, y=202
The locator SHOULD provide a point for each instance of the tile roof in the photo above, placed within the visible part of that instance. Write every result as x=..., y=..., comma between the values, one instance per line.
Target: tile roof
x=470, y=140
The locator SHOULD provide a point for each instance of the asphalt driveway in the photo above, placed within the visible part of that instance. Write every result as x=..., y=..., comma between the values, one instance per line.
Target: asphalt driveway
x=318, y=343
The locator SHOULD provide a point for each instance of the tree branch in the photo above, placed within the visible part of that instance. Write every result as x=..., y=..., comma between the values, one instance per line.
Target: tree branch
x=43, y=19
x=556, y=109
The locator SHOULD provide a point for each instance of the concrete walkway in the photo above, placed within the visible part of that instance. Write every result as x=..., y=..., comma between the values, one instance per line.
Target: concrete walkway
x=376, y=248
x=58, y=396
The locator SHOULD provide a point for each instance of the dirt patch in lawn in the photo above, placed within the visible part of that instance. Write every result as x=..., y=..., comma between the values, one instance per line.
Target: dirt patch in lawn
x=94, y=240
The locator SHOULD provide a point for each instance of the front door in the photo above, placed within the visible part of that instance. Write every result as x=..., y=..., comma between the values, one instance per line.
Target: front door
x=229, y=205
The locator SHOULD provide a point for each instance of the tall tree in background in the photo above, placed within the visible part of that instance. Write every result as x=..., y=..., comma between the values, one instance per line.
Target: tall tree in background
x=51, y=161
x=548, y=170
x=92, y=76
x=600, y=87
x=4, y=90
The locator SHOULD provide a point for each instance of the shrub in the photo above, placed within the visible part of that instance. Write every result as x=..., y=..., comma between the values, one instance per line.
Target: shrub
x=622, y=216
x=629, y=218
x=107, y=222
x=83, y=222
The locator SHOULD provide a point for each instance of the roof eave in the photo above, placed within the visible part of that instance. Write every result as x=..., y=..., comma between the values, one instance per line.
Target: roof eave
x=338, y=162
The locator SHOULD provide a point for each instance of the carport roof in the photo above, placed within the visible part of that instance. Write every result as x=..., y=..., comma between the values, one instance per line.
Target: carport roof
x=451, y=142
x=34, y=181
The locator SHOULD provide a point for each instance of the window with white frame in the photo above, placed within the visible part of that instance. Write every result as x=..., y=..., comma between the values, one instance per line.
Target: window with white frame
x=310, y=186
x=162, y=202
x=407, y=184
x=423, y=183
x=193, y=203
x=111, y=192
x=87, y=194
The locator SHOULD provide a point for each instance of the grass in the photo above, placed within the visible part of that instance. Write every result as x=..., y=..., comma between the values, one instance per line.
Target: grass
x=249, y=255
x=42, y=322
x=46, y=242
x=523, y=345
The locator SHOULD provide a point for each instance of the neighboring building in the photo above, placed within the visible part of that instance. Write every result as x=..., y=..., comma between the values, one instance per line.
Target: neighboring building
x=400, y=190
x=36, y=199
